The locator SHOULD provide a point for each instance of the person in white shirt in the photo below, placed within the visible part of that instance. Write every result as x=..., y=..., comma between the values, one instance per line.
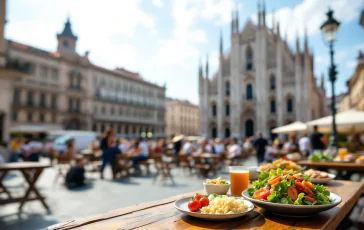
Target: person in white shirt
x=234, y=150
x=270, y=151
x=187, y=148
x=219, y=147
x=140, y=154
x=305, y=145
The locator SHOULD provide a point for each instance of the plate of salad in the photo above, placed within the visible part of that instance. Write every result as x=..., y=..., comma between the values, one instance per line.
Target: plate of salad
x=290, y=194
x=214, y=206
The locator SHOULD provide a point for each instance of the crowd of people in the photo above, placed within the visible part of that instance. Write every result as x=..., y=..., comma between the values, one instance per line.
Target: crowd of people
x=141, y=149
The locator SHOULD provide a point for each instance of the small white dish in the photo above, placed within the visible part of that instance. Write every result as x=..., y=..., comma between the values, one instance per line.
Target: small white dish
x=323, y=180
x=182, y=206
x=220, y=189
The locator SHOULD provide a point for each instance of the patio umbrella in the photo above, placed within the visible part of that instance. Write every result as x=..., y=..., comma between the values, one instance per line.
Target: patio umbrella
x=347, y=122
x=296, y=126
x=178, y=138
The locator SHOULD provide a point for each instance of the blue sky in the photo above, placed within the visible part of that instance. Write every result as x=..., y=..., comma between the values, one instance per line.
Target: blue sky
x=165, y=39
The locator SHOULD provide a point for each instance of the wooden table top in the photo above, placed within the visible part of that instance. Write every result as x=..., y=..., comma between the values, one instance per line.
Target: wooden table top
x=349, y=166
x=161, y=214
x=23, y=165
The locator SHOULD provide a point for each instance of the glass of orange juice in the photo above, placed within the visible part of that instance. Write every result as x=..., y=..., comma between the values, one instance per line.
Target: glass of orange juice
x=342, y=152
x=239, y=179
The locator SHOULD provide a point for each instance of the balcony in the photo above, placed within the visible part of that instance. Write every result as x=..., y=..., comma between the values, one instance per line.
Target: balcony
x=74, y=110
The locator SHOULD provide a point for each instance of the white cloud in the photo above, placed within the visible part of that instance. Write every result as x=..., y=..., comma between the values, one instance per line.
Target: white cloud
x=158, y=3
x=183, y=48
x=311, y=14
x=360, y=46
x=100, y=29
x=351, y=64
x=321, y=60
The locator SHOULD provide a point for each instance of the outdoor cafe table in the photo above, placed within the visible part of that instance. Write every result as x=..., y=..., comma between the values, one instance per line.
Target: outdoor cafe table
x=348, y=166
x=161, y=214
x=31, y=172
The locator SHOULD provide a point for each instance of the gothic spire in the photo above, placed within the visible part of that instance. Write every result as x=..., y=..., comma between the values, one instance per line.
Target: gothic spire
x=278, y=30
x=221, y=48
x=207, y=66
x=273, y=23
x=237, y=20
x=263, y=13
x=232, y=22
x=259, y=21
x=306, y=40
x=297, y=45
x=322, y=81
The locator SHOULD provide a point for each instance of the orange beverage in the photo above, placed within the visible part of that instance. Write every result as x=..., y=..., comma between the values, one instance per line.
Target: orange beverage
x=239, y=179
x=342, y=151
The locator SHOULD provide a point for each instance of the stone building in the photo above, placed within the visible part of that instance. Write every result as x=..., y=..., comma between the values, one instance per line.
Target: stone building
x=354, y=98
x=181, y=118
x=260, y=84
x=64, y=88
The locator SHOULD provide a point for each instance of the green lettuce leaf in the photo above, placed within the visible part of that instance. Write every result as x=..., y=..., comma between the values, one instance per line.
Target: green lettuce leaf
x=299, y=199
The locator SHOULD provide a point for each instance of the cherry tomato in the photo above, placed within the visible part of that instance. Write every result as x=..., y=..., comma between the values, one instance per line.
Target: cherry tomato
x=274, y=180
x=308, y=192
x=292, y=192
x=299, y=185
x=310, y=199
x=194, y=205
x=204, y=201
x=198, y=196
x=261, y=194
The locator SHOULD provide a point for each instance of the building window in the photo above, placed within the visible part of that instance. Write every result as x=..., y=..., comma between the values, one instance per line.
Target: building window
x=54, y=102
x=16, y=96
x=249, y=92
x=14, y=116
x=227, y=88
x=31, y=69
x=94, y=127
x=30, y=117
x=289, y=105
x=103, y=110
x=42, y=100
x=112, y=111
x=272, y=82
x=272, y=106
x=249, y=59
x=55, y=74
x=65, y=44
x=227, y=109
x=214, y=110
x=41, y=117
x=30, y=99
x=54, y=118
x=43, y=73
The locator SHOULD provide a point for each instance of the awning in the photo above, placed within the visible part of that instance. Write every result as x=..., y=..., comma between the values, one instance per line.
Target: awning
x=296, y=126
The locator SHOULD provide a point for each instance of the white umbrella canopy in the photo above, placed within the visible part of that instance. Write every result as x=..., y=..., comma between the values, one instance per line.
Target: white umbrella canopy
x=346, y=122
x=296, y=126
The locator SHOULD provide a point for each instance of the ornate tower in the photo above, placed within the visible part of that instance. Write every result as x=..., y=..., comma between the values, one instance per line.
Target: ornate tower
x=298, y=82
x=67, y=40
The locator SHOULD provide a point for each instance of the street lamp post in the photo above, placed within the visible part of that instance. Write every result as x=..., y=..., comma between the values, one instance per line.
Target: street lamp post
x=329, y=28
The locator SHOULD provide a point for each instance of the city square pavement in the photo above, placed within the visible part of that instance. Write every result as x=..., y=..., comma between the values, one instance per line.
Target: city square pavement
x=98, y=197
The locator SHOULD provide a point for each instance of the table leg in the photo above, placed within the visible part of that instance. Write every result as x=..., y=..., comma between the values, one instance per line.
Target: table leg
x=31, y=181
x=2, y=186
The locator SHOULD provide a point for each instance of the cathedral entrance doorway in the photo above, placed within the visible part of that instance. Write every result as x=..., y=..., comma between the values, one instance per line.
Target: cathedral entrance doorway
x=249, y=128
x=214, y=133
x=227, y=132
